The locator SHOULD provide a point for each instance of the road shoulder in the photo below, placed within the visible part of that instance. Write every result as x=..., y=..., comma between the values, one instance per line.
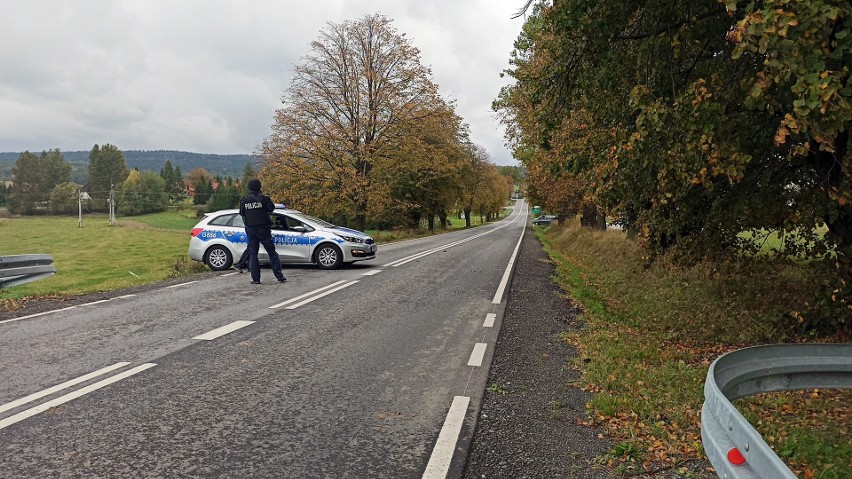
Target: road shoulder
x=528, y=425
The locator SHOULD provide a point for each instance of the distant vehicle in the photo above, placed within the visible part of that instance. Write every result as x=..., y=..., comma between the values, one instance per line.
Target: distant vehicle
x=220, y=238
x=544, y=220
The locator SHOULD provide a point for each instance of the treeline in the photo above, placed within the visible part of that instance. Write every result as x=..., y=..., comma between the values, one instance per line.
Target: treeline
x=701, y=127
x=41, y=184
x=146, y=160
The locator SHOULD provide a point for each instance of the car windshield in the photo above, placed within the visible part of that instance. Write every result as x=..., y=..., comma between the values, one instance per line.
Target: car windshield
x=311, y=219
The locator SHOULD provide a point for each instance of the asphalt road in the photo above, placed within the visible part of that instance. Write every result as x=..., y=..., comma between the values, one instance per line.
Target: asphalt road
x=377, y=370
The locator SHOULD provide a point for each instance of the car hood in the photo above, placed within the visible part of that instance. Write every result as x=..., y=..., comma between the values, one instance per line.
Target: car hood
x=348, y=232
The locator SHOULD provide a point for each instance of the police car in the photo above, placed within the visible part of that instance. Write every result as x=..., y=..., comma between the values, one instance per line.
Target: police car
x=219, y=239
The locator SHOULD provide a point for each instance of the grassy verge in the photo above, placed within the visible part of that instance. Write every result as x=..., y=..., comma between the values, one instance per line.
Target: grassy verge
x=98, y=257
x=651, y=333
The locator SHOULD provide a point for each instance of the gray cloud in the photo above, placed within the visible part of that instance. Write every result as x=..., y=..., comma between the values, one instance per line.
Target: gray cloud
x=207, y=75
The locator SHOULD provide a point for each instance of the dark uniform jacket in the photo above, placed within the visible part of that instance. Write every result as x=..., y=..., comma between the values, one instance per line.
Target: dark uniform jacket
x=255, y=209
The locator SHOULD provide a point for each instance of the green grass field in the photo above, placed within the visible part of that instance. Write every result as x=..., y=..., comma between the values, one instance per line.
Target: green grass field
x=97, y=257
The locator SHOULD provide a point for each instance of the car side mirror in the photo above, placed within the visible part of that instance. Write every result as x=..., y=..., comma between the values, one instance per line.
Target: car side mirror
x=299, y=229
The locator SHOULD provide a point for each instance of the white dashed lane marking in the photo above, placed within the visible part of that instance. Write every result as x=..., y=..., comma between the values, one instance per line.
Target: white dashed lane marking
x=477, y=355
x=228, y=328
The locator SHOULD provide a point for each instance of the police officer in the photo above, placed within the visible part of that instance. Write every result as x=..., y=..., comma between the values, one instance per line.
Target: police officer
x=255, y=209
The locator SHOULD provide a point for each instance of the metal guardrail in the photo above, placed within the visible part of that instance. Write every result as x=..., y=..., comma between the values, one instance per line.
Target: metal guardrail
x=734, y=447
x=24, y=268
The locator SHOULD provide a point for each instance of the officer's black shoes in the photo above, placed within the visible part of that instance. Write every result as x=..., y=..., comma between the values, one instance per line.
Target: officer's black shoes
x=255, y=282
x=282, y=279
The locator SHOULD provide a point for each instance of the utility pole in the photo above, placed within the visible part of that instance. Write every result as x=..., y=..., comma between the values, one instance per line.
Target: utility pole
x=81, y=195
x=112, y=204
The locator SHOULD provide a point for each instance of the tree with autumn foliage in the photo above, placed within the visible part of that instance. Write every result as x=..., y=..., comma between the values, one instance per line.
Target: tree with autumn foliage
x=474, y=179
x=691, y=123
x=350, y=100
x=421, y=179
x=495, y=190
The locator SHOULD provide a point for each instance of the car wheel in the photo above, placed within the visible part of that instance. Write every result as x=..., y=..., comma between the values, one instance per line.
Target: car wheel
x=218, y=258
x=328, y=256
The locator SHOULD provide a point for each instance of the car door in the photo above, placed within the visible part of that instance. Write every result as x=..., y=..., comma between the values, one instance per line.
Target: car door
x=233, y=232
x=291, y=242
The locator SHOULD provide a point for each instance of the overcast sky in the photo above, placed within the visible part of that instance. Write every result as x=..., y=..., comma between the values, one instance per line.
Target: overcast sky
x=207, y=75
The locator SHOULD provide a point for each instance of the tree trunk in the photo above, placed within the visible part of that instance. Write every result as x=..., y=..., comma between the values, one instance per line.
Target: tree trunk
x=592, y=217
x=467, y=216
x=600, y=220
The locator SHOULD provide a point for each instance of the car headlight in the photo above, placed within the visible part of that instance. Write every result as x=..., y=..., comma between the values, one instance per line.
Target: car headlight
x=351, y=239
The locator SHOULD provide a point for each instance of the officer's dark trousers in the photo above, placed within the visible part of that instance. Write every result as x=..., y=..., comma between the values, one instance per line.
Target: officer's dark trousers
x=262, y=235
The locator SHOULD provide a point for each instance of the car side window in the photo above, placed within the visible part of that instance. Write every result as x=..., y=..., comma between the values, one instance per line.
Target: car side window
x=238, y=222
x=279, y=222
x=221, y=220
x=293, y=223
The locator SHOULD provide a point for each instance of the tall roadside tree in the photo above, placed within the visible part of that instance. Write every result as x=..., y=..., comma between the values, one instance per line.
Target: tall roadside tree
x=693, y=122
x=803, y=82
x=422, y=176
x=107, y=170
x=348, y=102
x=474, y=179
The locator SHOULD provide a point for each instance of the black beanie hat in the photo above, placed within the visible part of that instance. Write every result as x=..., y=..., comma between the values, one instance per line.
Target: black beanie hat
x=254, y=185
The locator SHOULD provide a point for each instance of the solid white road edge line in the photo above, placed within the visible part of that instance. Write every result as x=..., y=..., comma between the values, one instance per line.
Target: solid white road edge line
x=37, y=314
x=95, y=302
x=294, y=306
x=72, y=395
x=442, y=454
x=498, y=296
x=370, y=273
x=60, y=387
x=228, y=328
x=179, y=285
x=309, y=293
x=489, y=320
x=477, y=354
x=65, y=309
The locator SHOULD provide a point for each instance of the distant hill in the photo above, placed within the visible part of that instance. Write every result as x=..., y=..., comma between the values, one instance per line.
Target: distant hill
x=224, y=165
